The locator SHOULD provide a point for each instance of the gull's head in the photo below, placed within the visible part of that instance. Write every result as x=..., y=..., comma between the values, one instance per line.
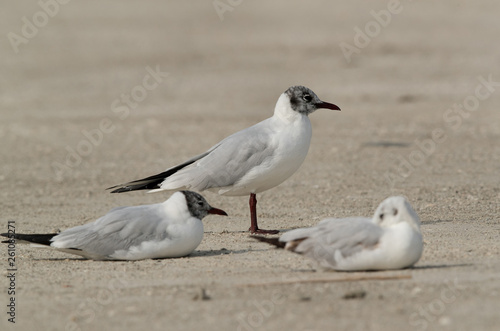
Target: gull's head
x=304, y=101
x=198, y=207
x=394, y=210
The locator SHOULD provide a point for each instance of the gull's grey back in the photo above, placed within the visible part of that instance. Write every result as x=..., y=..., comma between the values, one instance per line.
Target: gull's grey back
x=120, y=229
x=348, y=236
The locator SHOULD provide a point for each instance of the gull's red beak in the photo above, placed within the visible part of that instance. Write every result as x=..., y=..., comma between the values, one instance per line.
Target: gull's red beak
x=217, y=211
x=327, y=105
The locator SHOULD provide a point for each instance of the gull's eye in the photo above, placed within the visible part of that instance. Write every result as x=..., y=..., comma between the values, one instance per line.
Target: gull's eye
x=381, y=216
x=307, y=97
x=394, y=211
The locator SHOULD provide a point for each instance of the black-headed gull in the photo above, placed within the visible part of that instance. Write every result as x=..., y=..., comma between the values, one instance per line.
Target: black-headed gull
x=390, y=240
x=250, y=161
x=169, y=229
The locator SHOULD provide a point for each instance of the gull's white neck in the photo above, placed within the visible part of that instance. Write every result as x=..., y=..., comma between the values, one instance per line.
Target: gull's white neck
x=176, y=207
x=284, y=111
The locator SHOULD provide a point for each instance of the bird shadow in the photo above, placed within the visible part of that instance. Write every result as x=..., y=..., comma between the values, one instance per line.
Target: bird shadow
x=280, y=232
x=384, y=143
x=420, y=267
x=217, y=252
x=441, y=266
x=436, y=222
x=61, y=259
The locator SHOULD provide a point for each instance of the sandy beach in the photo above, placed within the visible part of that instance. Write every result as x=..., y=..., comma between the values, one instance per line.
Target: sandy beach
x=95, y=94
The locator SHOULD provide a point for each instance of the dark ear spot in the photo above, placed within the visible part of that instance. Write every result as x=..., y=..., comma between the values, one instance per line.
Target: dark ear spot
x=381, y=216
x=293, y=102
x=394, y=211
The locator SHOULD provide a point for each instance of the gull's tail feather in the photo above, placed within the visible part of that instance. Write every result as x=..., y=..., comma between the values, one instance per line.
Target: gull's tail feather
x=153, y=182
x=272, y=241
x=41, y=239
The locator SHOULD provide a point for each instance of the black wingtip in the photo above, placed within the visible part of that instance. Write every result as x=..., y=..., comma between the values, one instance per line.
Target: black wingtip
x=143, y=184
x=7, y=235
x=42, y=239
x=153, y=182
x=148, y=183
x=126, y=187
x=275, y=241
x=119, y=190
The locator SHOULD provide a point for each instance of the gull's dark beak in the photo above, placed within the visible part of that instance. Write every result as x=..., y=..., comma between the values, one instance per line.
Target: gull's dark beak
x=327, y=105
x=217, y=211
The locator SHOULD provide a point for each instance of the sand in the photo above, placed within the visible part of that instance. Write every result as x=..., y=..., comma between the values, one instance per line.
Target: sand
x=418, y=118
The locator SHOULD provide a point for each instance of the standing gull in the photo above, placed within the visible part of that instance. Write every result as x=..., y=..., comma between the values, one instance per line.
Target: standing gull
x=169, y=229
x=250, y=161
x=390, y=240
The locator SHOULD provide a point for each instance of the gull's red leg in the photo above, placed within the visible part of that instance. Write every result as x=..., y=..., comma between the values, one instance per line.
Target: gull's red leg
x=253, y=217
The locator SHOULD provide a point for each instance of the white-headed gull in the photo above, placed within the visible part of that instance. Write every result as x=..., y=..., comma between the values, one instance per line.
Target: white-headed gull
x=250, y=161
x=169, y=229
x=390, y=240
